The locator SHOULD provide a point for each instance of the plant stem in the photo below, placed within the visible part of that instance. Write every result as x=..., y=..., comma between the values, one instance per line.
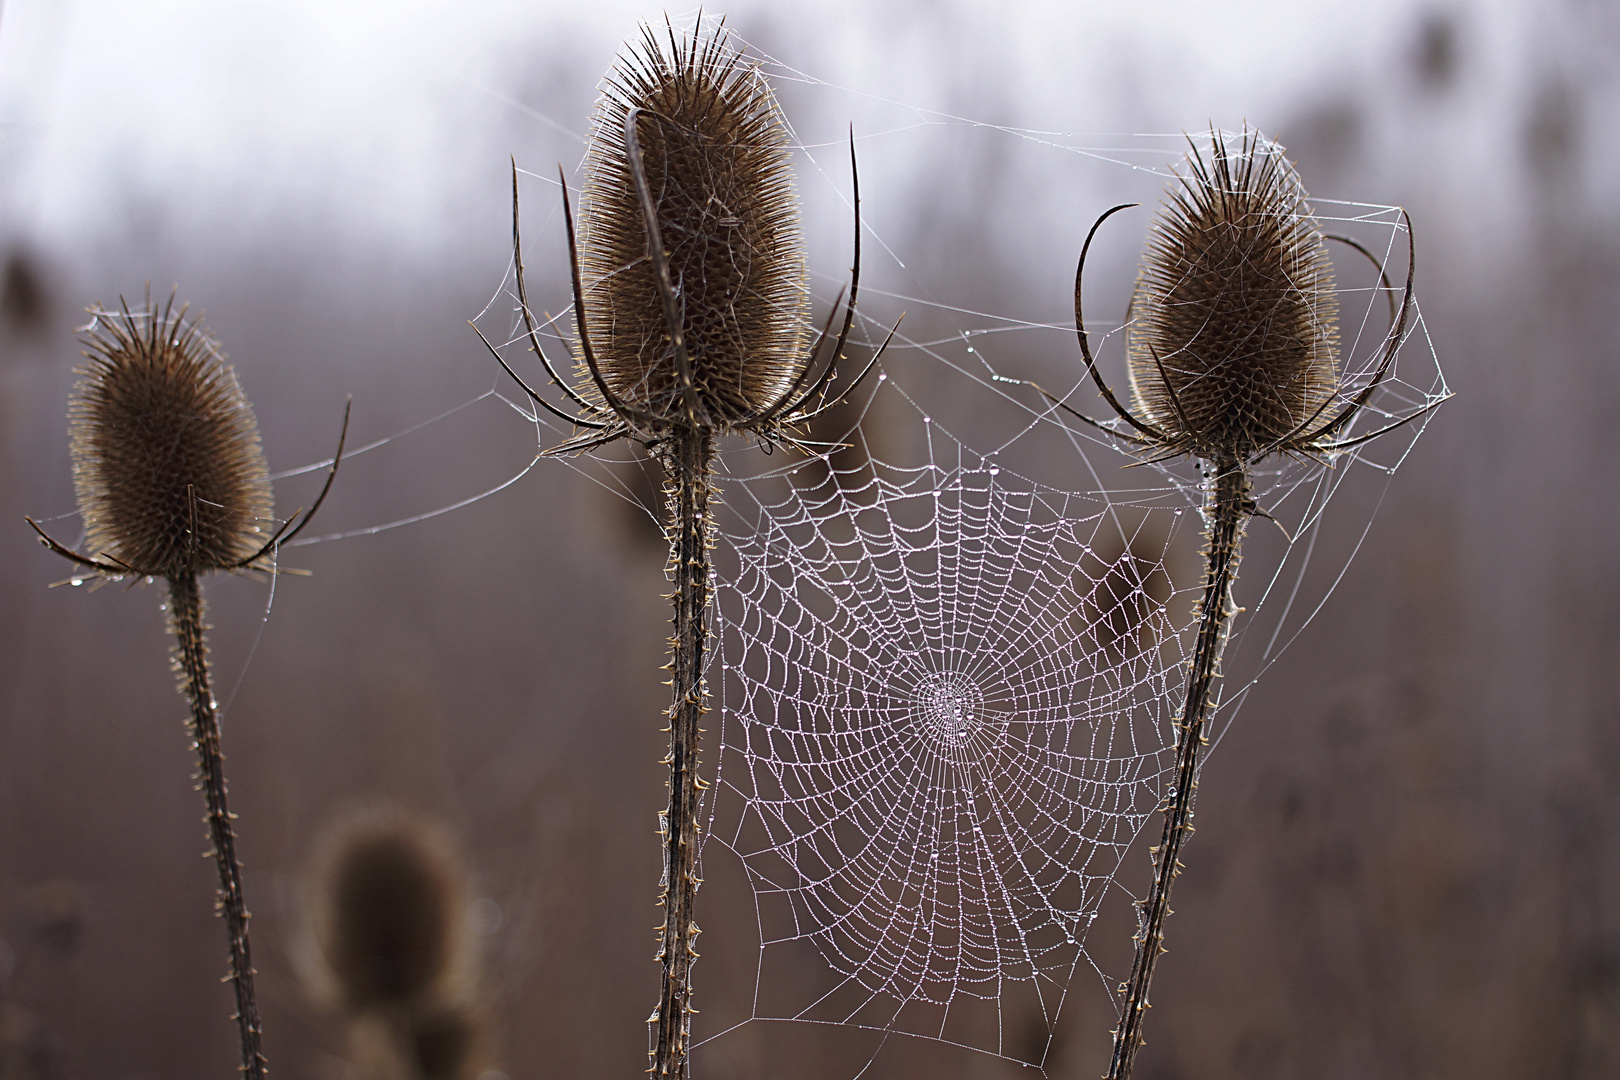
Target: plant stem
x=1226, y=506
x=185, y=617
x=687, y=464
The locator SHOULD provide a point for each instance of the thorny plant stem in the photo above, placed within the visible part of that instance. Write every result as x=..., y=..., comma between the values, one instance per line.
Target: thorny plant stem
x=1227, y=507
x=688, y=461
x=185, y=617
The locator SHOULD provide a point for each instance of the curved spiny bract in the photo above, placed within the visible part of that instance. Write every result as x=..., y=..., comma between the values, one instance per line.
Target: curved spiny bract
x=170, y=475
x=716, y=156
x=1233, y=344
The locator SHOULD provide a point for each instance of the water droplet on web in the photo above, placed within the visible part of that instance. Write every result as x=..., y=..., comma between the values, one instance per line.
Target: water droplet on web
x=76, y=582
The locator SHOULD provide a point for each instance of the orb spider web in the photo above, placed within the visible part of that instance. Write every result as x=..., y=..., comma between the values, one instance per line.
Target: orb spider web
x=947, y=696
x=948, y=688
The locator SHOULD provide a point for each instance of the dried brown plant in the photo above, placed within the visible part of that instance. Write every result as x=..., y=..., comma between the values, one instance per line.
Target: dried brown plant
x=691, y=299
x=166, y=457
x=172, y=482
x=393, y=951
x=1234, y=328
x=1233, y=345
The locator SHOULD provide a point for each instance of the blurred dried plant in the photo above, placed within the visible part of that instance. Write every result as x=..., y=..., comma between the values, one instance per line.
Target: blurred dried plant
x=392, y=949
x=172, y=482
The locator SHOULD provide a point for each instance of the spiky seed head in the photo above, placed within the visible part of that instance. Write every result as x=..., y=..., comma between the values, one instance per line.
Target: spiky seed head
x=389, y=898
x=1235, y=301
x=167, y=464
x=716, y=153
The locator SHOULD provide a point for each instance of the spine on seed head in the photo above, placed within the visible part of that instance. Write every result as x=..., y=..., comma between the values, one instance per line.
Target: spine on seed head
x=170, y=476
x=717, y=158
x=1233, y=342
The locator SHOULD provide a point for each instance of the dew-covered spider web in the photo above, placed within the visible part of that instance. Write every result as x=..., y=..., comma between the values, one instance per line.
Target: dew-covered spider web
x=947, y=699
x=949, y=652
x=949, y=675
x=948, y=690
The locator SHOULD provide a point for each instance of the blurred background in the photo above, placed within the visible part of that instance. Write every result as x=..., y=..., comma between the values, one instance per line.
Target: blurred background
x=1407, y=862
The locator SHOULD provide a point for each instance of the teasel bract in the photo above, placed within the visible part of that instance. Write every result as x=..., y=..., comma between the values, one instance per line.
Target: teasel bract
x=1233, y=352
x=172, y=483
x=691, y=300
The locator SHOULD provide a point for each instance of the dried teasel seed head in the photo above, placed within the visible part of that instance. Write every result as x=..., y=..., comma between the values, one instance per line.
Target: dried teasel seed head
x=389, y=898
x=716, y=154
x=170, y=475
x=1233, y=342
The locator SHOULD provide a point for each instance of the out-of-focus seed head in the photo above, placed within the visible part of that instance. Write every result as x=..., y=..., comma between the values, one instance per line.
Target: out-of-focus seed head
x=1235, y=303
x=170, y=475
x=717, y=160
x=389, y=898
x=440, y=1044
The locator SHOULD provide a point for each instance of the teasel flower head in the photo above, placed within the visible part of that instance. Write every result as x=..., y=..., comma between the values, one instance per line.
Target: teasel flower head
x=1233, y=340
x=691, y=294
x=170, y=476
x=716, y=156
